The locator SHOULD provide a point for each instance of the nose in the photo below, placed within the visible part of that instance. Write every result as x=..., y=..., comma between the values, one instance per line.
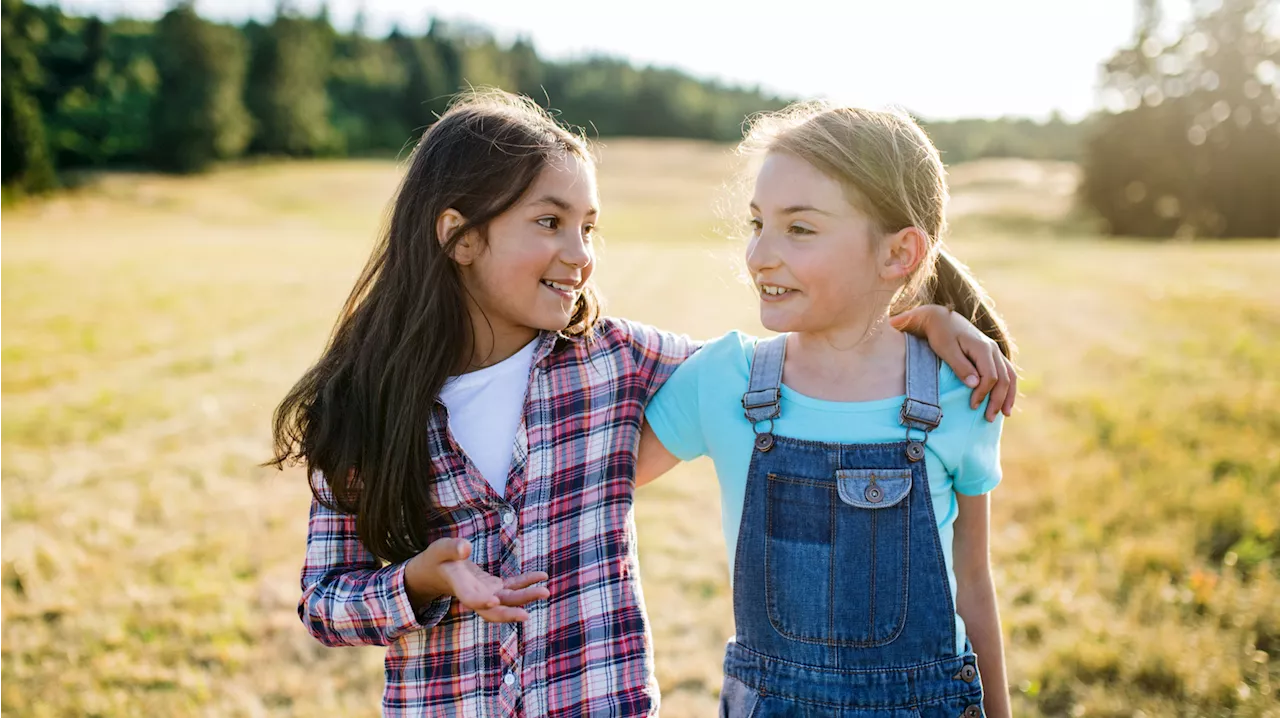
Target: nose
x=577, y=252
x=760, y=254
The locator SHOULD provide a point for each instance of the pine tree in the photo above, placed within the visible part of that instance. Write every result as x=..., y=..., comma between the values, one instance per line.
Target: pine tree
x=287, y=87
x=27, y=162
x=199, y=116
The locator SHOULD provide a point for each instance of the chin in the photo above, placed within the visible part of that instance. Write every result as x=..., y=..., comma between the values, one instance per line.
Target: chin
x=778, y=322
x=550, y=321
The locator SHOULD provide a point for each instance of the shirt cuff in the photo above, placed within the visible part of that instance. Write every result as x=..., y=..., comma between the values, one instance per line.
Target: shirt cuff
x=402, y=616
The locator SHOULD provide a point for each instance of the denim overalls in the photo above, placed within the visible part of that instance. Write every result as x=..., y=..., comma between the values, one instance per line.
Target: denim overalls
x=841, y=601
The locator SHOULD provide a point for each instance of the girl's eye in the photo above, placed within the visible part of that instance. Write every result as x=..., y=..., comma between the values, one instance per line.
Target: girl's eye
x=755, y=225
x=549, y=222
x=797, y=229
x=589, y=231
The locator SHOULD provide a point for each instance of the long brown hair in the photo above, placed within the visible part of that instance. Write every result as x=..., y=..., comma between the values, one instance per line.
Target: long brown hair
x=893, y=174
x=360, y=414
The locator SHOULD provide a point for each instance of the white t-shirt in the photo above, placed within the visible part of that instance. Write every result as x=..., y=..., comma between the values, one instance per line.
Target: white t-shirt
x=484, y=413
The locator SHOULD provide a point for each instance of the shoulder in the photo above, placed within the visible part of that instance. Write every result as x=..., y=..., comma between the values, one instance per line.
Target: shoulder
x=718, y=370
x=953, y=396
x=733, y=351
x=612, y=331
x=609, y=331
x=970, y=439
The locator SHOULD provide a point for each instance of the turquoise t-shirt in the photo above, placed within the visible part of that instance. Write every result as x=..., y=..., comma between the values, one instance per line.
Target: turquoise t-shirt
x=698, y=412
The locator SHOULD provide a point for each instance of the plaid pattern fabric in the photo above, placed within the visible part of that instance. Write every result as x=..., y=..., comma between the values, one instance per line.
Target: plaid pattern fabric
x=567, y=511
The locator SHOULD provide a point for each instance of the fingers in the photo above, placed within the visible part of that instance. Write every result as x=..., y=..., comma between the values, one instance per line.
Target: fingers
x=449, y=549
x=1013, y=390
x=955, y=357
x=910, y=321
x=511, y=599
x=481, y=592
x=520, y=590
x=473, y=587
x=988, y=376
x=998, y=394
x=490, y=597
x=475, y=595
x=504, y=614
x=522, y=596
x=524, y=580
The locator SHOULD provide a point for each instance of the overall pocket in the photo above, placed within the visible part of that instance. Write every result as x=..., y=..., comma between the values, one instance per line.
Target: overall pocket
x=836, y=556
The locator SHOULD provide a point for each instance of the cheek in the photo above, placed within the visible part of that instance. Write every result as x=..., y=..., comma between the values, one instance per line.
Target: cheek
x=504, y=281
x=818, y=271
x=834, y=277
x=516, y=261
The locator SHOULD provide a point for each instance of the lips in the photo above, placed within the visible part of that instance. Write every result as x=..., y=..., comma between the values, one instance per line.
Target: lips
x=566, y=288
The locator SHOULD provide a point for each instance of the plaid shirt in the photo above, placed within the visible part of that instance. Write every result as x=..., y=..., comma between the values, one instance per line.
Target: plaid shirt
x=567, y=511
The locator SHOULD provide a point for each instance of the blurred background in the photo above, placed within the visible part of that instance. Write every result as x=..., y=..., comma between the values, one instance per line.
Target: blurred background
x=191, y=188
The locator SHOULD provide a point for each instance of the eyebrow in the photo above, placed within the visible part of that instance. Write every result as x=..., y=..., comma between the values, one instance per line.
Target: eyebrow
x=797, y=208
x=561, y=204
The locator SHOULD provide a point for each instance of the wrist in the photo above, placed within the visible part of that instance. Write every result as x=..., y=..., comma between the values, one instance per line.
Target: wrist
x=936, y=318
x=422, y=581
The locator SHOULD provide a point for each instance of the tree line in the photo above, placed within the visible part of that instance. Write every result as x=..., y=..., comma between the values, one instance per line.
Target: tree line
x=181, y=93
x=1188, y=143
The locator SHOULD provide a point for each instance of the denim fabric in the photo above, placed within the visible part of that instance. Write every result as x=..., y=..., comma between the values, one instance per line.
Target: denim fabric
x=842, y=604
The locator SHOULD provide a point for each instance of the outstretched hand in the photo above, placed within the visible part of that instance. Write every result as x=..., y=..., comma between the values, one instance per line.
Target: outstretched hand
x=446, y=568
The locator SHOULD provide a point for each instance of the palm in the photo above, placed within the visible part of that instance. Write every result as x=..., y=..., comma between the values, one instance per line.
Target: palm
x=491, y=597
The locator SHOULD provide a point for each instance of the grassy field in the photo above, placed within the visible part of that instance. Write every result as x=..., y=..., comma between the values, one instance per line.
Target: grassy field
x=151, y=323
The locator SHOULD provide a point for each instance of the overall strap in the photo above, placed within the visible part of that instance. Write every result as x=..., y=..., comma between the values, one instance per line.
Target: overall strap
x=921, y=410
x=763, y=400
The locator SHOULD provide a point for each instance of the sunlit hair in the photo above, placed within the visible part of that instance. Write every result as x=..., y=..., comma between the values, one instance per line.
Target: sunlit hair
x=892, y=173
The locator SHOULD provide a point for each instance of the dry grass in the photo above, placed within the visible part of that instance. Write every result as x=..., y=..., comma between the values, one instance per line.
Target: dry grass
x=151, y=323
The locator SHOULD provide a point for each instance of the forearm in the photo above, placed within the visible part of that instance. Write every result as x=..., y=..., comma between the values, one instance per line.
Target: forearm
x=362, y=607
x=348, y=597
x=976, y=604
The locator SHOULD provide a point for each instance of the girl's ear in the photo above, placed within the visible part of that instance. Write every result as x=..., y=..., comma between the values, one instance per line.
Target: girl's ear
x=902, y=253
x=464, y=251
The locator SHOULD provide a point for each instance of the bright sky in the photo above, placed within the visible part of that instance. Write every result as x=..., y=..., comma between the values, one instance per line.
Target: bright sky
x=936, y=58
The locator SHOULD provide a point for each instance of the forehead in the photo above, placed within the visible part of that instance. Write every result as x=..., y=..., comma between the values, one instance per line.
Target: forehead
x=785, y=180
x=568, y=177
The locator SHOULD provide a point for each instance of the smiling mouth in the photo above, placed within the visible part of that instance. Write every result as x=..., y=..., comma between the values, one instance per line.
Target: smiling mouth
x=562, y=288
x=771, y=290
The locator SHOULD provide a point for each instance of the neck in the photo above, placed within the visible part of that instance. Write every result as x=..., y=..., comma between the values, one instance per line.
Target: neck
x=849, y=346
x=492, y=341
x=854, y=362
x=860, y=338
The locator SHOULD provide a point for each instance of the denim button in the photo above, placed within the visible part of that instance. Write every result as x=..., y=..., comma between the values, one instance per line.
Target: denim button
x=764, y=442
x=874, y=494
x=973, y=712
x=915, y=451
x=967, y=673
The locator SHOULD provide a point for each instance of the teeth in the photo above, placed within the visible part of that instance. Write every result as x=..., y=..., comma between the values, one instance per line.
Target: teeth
x=562, y=287
x=772, y=290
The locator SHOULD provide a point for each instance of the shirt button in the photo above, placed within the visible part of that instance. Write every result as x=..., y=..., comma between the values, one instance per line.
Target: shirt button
x=509, y=679
x=508, y=518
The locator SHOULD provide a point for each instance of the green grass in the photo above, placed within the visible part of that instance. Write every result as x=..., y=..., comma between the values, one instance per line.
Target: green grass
x=151, y=323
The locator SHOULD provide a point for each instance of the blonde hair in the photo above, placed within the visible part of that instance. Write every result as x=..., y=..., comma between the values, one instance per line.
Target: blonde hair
x=892, y=173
